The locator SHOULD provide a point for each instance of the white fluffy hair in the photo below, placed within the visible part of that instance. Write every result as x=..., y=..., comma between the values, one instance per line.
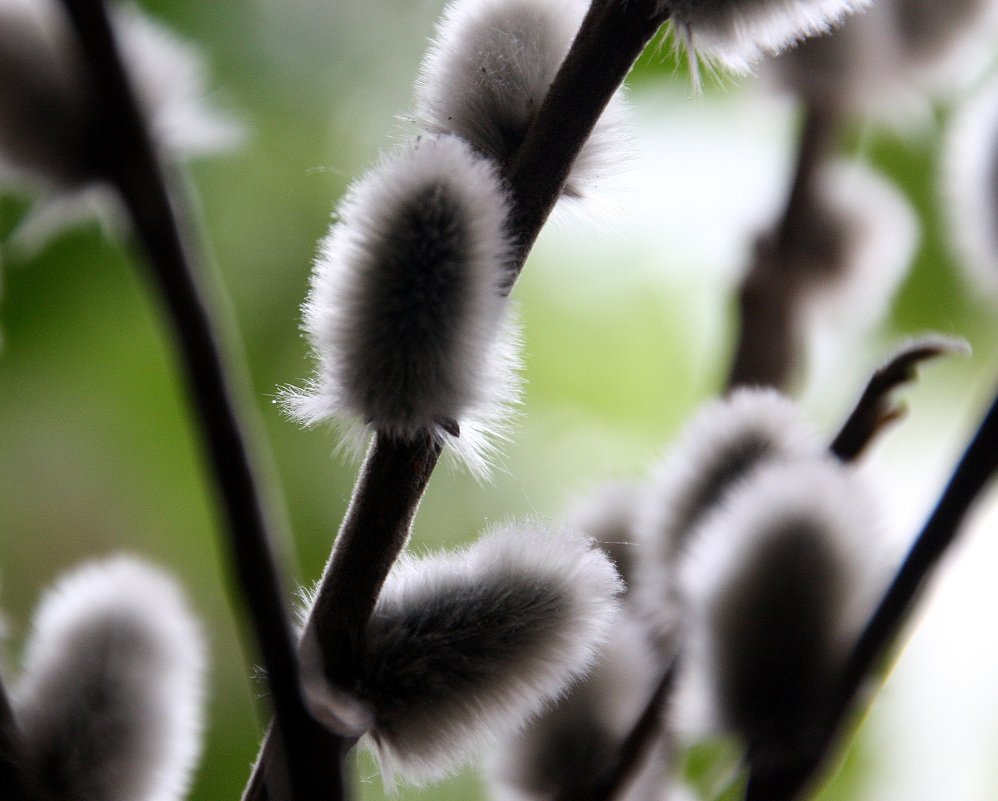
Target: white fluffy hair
x=778, y=583
x=110, y=697
x=718, y=449
x=879, y=233
x=608, y=514
x=170, y=78
x=489, y=70
x=737, y=33
x=406, y=313
x=970, y=188
x=464, y=648
x=573, y=746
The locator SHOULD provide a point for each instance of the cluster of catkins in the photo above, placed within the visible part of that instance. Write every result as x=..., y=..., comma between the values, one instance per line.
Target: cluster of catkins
x=746, y=557
x=746, y=554
x=889, y=64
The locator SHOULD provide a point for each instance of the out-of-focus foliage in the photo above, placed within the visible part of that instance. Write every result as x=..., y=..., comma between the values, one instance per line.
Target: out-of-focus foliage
x=96, y=449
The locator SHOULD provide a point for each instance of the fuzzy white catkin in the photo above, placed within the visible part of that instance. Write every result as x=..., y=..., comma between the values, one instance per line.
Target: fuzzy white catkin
x=407, y=314
x=879, y=232
x=737, y=33
x=487, y=73
x=717, y=450
x=110, y=696
x=46, y=112
x=724, y=441
x=48, y=121
x=970, y=188
x=44, y=105
x=464, y=648
x=778, y=583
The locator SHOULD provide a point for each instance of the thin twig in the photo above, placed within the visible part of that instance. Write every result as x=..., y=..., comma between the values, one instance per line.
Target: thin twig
x=768, y=340
x=636, y=746
x=13, y=782
x=875, y=409
x=126, y=158
x=972, y=474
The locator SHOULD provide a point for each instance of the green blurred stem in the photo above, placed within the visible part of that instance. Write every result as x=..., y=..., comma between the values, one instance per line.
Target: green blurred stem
x=126, y=158
x=972, y=474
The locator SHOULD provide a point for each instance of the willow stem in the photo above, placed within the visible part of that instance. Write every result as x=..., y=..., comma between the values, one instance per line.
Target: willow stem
x=126, y=157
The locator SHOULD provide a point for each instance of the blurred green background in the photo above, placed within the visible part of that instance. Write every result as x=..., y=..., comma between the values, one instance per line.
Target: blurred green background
x=627, y=328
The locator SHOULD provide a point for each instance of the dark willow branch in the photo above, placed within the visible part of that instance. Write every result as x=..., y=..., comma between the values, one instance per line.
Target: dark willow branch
x=876, y=409
x=126, y=158
x=637, y=745
x=13, y=782
x=395, y=474
x=768, y=341
x=973, y=472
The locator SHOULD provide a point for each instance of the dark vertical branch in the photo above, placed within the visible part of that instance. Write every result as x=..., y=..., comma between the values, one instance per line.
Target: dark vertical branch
x=768, y=340
x=126, y=158
x=13, y=782
x=373, y=534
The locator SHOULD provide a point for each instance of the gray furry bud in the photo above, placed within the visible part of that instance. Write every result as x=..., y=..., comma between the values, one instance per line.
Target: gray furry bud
x=406, y=313
x=573, y=747
x=465, y=648
x=489, y=70
x=723, y=443
x=109, y=700
x=778, y=584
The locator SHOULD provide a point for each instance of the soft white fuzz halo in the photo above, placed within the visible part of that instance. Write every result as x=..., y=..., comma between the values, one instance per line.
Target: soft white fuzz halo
x=737, y=33
x=110, y=697
x=464, y=648
x=724, y=441
x=407, y=312
x=778, y=582
x=488, y=71
x=970, y=188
